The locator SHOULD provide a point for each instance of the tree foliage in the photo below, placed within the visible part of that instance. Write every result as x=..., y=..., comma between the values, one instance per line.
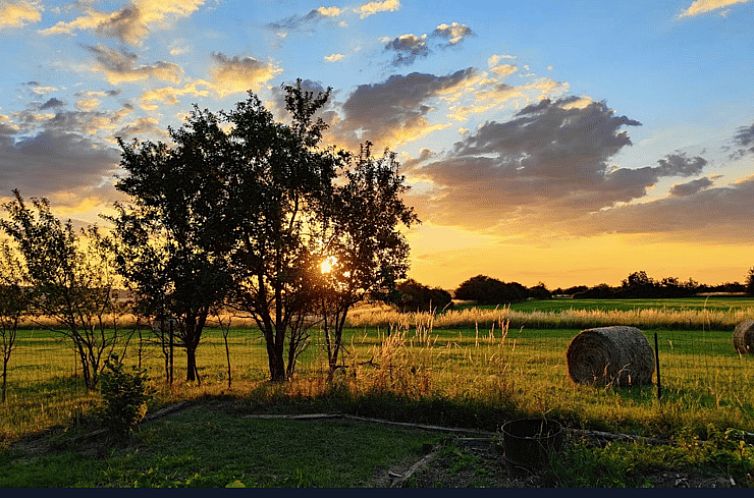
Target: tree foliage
x=411, y=295
x=172, y=234
x=72, y=280
x=359, y=234
x=15, y=300
x=487, y=290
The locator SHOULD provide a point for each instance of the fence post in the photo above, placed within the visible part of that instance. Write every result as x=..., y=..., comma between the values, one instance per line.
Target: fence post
x=657, y=367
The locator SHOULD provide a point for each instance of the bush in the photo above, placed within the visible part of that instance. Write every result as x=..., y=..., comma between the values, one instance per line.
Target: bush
x=540, y=291
x=412, y=296
x=487, y=290
x=125, y=395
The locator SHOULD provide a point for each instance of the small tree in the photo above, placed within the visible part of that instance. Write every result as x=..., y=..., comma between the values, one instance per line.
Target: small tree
x=14, y=303
x=125, y=395
x=750, y=282
x=72, y=280
x=363, y=253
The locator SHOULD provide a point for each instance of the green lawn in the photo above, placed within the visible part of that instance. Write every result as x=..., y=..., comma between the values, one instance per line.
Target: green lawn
x=206, y=447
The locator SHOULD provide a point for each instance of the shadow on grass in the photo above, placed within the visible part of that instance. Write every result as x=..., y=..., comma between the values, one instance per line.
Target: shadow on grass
x=435, y=410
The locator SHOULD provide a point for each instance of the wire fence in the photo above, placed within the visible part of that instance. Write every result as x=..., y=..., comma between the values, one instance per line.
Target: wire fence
x=704, y=379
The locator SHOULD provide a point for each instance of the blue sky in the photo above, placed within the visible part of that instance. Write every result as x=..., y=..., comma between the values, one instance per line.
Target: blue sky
x=76, y=74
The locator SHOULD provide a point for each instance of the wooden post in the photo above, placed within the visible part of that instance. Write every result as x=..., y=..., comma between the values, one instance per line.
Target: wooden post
x=657, y=367
x=172, y=344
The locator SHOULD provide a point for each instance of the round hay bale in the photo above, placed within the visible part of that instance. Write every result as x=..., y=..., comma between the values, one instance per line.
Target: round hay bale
x=619, y=356
x=743, y=337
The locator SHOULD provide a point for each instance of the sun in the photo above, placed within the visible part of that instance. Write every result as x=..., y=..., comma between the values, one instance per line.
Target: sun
x=328, y=264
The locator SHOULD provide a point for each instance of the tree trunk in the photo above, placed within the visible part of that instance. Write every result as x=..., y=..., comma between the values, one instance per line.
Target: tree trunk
x=191, y=373
x=277, y=366
x=4, y=386
x=227, y=358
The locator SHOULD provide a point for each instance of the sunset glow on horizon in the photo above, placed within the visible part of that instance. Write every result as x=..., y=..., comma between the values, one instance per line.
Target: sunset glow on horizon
x=562, y=142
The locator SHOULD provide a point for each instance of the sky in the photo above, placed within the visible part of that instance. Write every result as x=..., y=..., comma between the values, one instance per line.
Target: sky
x=568, y=142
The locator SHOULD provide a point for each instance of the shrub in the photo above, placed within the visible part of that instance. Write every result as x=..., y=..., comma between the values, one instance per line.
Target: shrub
x=540, y=291
x=487, y=290
x=412, y=296
x=125, y=395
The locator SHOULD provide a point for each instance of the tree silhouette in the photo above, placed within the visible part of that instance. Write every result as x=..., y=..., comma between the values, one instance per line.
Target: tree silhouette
x=173, y=242
x=72, y=279
x=360, y=234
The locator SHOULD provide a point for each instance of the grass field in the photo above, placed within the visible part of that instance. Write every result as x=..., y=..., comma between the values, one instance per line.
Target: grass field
x=705, y=380
x=690, y=303
x=436, y=370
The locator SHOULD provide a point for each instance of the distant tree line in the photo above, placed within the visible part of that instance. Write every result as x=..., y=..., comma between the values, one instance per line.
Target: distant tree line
x=640, y=285
x=411, y=295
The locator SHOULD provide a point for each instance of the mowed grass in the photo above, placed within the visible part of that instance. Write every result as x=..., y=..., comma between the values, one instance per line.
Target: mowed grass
x=495, y=376
x=207, y=447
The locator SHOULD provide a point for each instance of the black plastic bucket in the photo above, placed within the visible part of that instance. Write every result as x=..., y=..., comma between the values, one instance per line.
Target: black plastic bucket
x=528, y=443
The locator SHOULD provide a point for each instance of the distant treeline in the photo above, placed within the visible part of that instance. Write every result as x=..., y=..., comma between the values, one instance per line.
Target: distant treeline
x=641, y=285
x=412, y=295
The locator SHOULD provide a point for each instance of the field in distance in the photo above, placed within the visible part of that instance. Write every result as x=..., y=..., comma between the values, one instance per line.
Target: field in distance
x=697, y=303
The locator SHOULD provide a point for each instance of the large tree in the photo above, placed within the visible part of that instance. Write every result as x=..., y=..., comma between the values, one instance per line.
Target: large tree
x=281, y=175
x=361, y=248
x=173, y=237
x=72, y=279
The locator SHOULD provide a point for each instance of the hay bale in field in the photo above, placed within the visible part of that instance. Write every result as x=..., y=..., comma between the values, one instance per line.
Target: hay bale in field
x=743, y=337
x=619, y=356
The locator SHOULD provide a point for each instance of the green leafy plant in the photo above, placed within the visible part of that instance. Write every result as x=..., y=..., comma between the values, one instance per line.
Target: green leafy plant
x=125, y=395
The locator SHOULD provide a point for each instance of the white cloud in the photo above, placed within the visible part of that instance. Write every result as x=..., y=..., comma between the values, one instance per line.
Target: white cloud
x=336, y=57
x=19, y=14
x=699, y=7
x=132, y=23
x=371, y=8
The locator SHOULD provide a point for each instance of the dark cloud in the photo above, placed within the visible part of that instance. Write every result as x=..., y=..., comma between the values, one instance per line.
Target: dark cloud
x=415, y=162
x=53, y=161
x=66, y=155
x=394, y=111
x=549, y=162
x=744, y=140
x=721, y=214
x=297, y=22
x=52, y=103
x=121, y=65
x=692, y=187
x=680, y=164
x=407, y=48
x=453, y=33
x=104, y=93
